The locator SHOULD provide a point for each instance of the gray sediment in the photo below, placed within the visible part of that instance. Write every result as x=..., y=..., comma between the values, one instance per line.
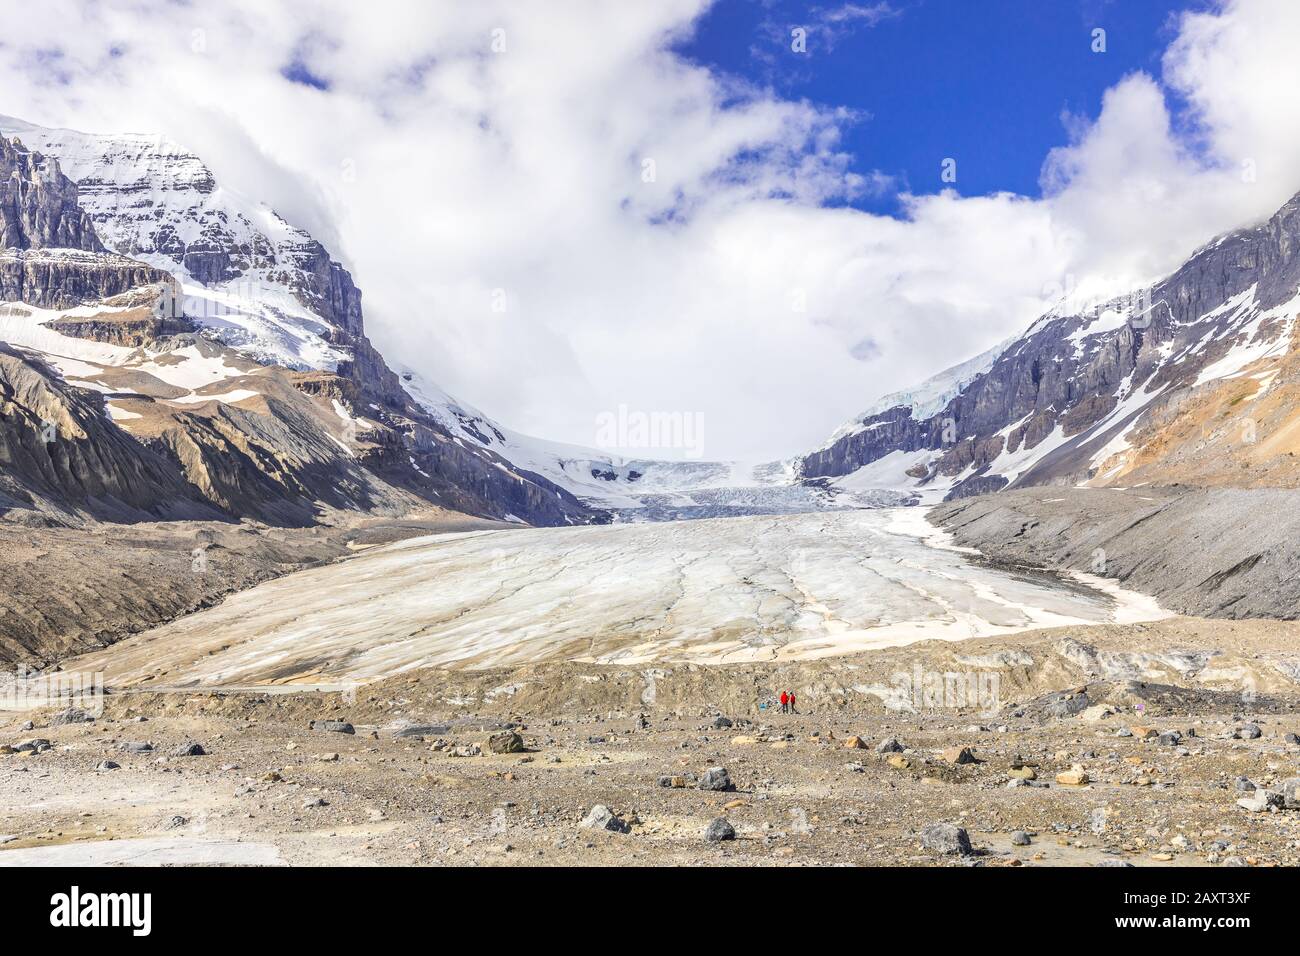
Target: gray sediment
x=1217, y=552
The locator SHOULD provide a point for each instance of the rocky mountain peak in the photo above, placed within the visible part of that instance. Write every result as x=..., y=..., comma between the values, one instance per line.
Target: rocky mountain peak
x=39, y=205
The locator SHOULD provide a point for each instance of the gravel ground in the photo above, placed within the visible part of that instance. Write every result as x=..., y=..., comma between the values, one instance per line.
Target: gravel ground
x=272, y=789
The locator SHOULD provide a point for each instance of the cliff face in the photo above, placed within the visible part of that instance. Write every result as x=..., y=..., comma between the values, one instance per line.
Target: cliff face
x=66, y=278
x=38, y=204
x=1055, y=404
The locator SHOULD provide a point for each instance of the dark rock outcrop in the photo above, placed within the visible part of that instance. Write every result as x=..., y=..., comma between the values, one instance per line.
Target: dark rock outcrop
x=38, y=204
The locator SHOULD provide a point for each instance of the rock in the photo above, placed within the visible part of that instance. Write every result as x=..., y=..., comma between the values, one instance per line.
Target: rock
x=1075, y=777
x=107, y=765
x=317, y=802
x=946, y=838
x=675, y=782
x=1248, y=732
x=1020, y=838
x=1144, y=733
x=189, y=750
x=721, y=723
x=1292, y=739
x=958, y=755
x=1291, y=793
x=507, y=742
x=719, y=830
x=1066, y=704
x=1244, y=784
x=1022, y=773
x=1123, y=732
x=1096, y=712
x=889, y=745
x=71, y=716
x=333, y=726
x=743, y=741
x=855, y=743
x=135, y=747
x=422, y=730
x=715, y=778
x=1260, y=801
x=899, y=762
x=1123, y=863
x=600, y=817
x=1170, y=738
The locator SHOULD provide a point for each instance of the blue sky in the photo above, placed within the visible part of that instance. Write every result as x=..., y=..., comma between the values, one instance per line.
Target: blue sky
x=985, y=83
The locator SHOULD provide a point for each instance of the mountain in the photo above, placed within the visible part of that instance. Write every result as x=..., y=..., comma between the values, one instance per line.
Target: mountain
x=1136, y=389
x=219, y=337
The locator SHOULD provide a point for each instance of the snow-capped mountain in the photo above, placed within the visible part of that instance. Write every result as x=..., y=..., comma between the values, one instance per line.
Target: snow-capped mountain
x=218, y=336
x=1088, y=397
x=258, y=283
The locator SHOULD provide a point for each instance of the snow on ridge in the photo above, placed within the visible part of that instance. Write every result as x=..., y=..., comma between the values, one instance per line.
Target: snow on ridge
x=930, y=396
x=153, y=200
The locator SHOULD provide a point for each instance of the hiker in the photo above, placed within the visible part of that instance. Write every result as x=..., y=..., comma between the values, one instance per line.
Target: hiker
x=792, y=710
x=785, y=702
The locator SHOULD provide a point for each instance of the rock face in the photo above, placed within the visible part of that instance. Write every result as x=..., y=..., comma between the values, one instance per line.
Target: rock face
x=1052, y=406
x=38, y=204
x=66, y=278
x=279, y=298
x=56, y=443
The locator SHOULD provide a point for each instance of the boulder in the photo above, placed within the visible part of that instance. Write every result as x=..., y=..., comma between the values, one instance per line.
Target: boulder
x=958, y=755
x=889, y=745
x=715, y=778
x=507, y=742
x=947, y=839
x=600, y=817
x=719, y=830
x=1261, y=800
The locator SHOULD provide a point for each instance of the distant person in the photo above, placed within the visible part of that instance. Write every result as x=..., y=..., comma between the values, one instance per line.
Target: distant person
x=785, y=702
x=792, y=710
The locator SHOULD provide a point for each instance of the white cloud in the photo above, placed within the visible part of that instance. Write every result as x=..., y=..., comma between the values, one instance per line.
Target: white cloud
x=725, y=286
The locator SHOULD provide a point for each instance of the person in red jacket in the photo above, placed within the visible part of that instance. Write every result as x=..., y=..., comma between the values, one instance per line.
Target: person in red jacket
x=785, y=702
x=792, y=710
